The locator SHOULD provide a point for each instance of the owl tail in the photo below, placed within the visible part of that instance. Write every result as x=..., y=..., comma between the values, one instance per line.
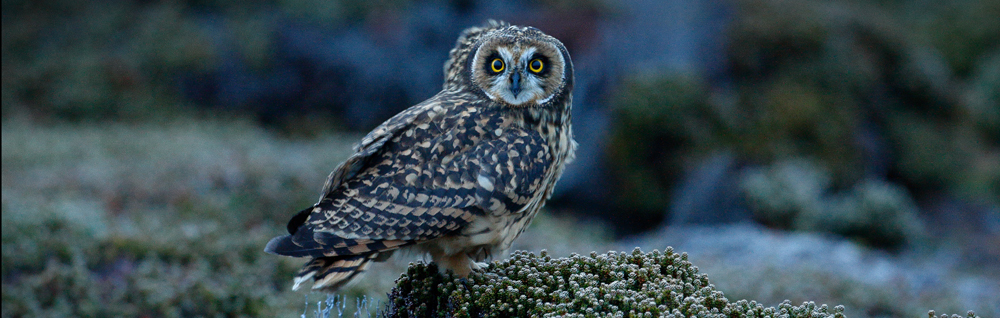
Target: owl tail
x=332, y=273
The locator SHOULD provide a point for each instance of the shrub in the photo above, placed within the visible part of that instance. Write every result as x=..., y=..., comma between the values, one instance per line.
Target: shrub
x=637, y=284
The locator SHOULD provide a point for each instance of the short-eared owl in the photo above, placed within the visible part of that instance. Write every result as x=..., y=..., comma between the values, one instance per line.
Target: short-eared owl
x=458, y=176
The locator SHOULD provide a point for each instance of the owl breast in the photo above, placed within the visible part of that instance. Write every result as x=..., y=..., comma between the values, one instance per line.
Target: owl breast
x=493, y=232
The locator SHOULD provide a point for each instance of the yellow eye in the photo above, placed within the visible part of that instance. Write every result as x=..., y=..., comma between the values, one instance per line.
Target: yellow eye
x=497, y=65
x=536, y=65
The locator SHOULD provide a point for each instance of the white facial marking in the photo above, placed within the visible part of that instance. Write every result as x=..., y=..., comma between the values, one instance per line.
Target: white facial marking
x=545, y=100
x=507, y=56
x=527, y=55
x=563, y=76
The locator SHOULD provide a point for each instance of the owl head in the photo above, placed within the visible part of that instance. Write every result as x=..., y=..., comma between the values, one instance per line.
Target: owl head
x=513, y=65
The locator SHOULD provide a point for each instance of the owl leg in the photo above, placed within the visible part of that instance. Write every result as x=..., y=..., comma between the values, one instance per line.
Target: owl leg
x=480, y=258
x=479, y=266
x=459, y=263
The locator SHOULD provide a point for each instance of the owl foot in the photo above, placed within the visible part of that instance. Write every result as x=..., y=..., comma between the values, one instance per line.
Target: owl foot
x=478, y=266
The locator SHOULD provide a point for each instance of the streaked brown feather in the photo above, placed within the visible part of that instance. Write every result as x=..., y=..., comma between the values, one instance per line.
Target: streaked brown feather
x=458, y=169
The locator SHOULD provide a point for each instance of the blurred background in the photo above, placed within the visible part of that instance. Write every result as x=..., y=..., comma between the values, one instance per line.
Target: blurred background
x=842, y=152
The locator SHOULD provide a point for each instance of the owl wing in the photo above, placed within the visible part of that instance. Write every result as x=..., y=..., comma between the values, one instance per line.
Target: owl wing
x=410, y=191
x=373, y=142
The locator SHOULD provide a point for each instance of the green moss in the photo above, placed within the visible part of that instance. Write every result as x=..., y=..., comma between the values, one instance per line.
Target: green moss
x=637, y=284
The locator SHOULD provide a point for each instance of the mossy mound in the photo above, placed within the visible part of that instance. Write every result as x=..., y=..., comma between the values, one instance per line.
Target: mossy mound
x=637, y=284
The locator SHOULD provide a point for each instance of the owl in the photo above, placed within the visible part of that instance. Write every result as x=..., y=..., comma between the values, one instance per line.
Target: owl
x=458, y=176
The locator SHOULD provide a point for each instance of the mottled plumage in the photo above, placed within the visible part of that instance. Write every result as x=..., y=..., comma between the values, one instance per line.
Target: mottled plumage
x=458, y=176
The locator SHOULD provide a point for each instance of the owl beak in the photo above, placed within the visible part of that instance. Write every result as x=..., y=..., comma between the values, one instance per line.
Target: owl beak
x=515, y=84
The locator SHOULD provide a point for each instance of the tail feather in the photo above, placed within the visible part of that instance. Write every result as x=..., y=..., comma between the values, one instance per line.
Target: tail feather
x=332, y=273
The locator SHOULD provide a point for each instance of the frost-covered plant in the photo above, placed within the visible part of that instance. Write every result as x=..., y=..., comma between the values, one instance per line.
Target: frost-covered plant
x=636, y=284
x=798, y=194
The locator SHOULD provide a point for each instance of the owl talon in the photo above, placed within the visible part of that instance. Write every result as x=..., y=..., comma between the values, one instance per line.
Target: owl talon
x=479, y=266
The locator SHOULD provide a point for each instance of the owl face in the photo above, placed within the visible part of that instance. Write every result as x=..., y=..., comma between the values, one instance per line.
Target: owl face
x=518, y=70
